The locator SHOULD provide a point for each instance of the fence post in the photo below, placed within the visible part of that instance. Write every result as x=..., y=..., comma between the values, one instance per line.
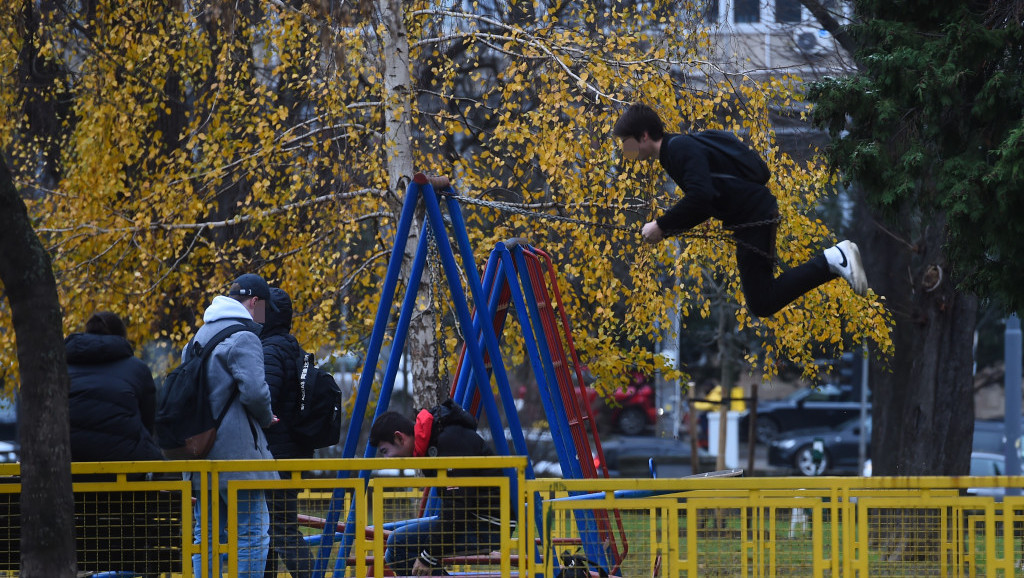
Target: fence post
x=1012, y=391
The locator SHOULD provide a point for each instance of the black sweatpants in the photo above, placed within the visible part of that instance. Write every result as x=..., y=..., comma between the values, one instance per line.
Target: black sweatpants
x=766, y=294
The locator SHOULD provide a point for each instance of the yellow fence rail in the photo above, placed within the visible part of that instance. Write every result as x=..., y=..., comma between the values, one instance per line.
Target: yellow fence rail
x=137, y=518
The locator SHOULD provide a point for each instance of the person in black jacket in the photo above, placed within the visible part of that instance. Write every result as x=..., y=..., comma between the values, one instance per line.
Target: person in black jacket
x=469, y=520
x=712, y=188
x=281, y=355
x=112, y=402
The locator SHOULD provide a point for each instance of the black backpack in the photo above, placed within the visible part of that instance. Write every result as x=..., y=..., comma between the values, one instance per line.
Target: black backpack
x=748, y=165
x=185, y=426
x=578, y=566
x=318, y=420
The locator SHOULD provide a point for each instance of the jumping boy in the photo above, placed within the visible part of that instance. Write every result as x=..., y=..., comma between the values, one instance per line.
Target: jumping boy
x=714, y=187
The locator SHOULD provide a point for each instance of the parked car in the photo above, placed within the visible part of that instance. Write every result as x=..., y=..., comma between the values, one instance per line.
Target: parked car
x=628, y=457
x=989, y=464
x=840, y=452
x=633, y=409
x=990, y=436
x=9, y=452
x=987, y=448
x=982, y=464
x=827, y=405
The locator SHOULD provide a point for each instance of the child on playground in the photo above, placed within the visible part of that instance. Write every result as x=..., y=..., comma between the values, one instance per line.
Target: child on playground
x=469, y=521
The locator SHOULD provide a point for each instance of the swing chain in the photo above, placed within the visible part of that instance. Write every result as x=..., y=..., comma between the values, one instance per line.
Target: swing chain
x=511, y=208
x=433, y=262
x=436, y=288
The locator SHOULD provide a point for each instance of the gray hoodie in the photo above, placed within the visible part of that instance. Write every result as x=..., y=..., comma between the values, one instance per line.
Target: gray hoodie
x=237, y=363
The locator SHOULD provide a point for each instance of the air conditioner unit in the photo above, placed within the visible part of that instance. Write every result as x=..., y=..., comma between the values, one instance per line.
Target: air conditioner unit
x=812, y=41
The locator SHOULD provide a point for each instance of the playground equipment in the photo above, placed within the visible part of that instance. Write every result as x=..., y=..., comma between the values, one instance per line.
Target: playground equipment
x=517, y=275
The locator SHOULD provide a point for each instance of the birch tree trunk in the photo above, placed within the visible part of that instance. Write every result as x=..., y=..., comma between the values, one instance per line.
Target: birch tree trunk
x=398, y=147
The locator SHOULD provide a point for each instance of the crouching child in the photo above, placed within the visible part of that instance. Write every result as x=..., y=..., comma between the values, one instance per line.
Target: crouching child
x=469, y=518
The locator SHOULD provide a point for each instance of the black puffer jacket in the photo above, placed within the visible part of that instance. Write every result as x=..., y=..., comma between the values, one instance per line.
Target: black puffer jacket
x=281, y=354
x=112, y=400
x=453, y=434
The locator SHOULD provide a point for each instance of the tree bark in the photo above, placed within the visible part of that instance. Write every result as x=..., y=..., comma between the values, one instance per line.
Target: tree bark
x=398, y=149
x=923, y=402
x=47, y=505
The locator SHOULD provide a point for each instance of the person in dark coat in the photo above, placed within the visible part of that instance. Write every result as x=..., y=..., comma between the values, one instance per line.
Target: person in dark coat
x=281, y=355
x=469, y=520
x=712, y=187
x=112, y=401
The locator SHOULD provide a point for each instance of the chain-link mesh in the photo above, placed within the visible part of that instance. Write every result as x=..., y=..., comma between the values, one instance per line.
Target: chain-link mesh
x=757, y=527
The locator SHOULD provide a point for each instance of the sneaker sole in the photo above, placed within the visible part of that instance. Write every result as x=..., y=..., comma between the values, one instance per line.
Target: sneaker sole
x=858, y=280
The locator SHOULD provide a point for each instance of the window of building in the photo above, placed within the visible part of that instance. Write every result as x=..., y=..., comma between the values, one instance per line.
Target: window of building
x=746, y=11
x=787, y=11
x=710, y=8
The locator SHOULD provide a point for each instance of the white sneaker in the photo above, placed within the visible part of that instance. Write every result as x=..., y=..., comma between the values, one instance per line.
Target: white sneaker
x=844, y=260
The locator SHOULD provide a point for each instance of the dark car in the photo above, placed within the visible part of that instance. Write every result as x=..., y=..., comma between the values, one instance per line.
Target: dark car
x=989, y=464
x=823, y=406
x=840, y=451
x=629, y=456
x=990, y=436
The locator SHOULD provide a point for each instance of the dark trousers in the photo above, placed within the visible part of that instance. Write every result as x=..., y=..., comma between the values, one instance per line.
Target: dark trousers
x=286, y=541
x=766, y=294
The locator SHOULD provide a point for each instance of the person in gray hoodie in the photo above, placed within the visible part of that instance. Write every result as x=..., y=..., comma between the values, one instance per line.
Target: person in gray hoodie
x=235, y=376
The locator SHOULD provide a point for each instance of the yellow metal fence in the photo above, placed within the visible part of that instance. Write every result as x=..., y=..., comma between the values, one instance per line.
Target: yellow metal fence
x=137, y=519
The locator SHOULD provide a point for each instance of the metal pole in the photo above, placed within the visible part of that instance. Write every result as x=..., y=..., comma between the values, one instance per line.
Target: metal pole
x=752, y=430
x=862, y=447
x=692, y=423
x=1012, y=390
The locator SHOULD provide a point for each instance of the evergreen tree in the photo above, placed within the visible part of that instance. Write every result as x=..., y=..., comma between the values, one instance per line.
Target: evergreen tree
x=930, y=129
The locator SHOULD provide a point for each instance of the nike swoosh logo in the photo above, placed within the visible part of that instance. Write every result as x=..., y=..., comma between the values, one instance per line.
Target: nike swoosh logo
x=844, y=263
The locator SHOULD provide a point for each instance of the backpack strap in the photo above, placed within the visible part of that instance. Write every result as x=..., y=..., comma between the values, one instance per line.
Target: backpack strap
x=206, y=349
x=307, y=373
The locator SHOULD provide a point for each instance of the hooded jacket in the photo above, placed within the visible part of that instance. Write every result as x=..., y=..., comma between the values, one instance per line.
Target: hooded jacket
x=112, y=401
x=236, y=364
x=281, y=355
x=450, y=431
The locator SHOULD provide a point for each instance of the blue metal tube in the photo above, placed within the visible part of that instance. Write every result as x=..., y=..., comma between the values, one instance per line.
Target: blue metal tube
x=494, y=277
x=465, y=318
x=555, y=414
x=366, y=379
x=461, y=387
x=402, y=327
x=536, y=355
x=585, y=521
x=1012, y=391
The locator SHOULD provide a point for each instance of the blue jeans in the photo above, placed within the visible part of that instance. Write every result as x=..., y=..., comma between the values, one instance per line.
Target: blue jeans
x=253, y=537
x=406, y=542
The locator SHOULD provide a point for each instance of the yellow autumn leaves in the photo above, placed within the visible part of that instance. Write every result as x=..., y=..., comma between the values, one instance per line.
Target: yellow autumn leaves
x=195, y=148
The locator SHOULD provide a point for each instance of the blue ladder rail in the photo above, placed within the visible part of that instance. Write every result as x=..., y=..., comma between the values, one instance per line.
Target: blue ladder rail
x=514, y=278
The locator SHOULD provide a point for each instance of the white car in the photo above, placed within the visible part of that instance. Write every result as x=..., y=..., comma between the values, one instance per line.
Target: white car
x=8, y=452
x=982, y=464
